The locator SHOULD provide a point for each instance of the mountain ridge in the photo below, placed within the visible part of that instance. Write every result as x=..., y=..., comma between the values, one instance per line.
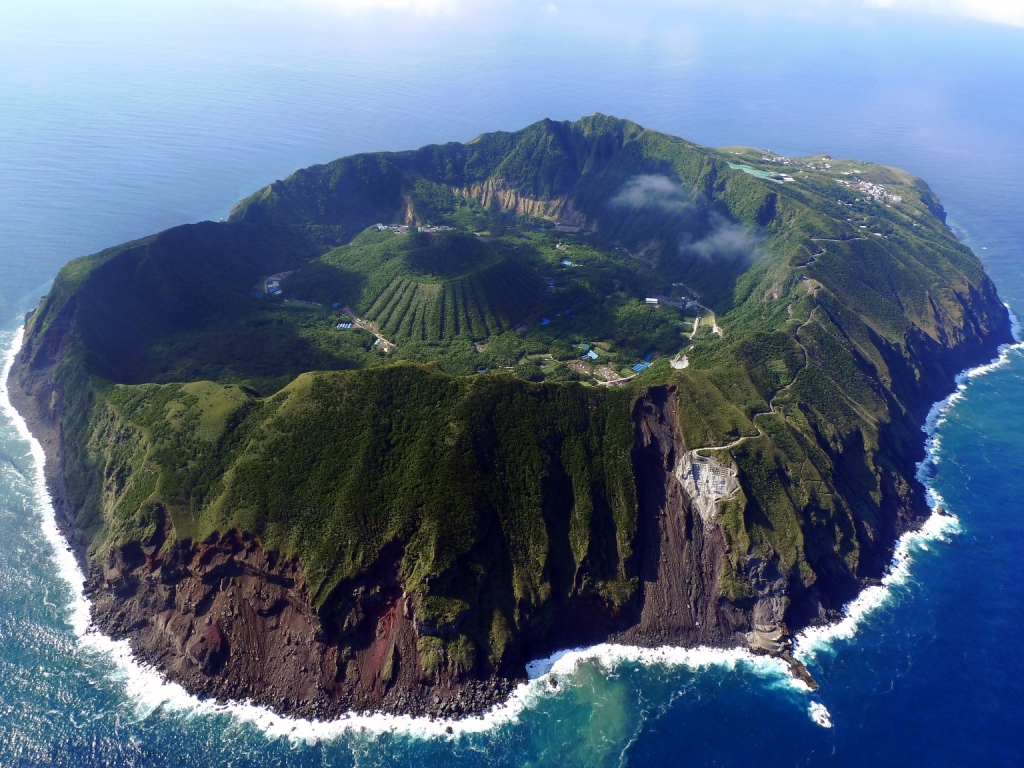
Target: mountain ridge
x=428, y=529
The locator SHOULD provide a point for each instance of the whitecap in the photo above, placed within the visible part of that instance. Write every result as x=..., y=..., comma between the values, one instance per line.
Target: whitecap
x=937, y=527
x=150, y=691
x=611, y=655
x=819, y=714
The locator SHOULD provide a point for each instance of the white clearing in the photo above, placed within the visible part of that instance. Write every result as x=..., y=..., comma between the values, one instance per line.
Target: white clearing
x=706, y=481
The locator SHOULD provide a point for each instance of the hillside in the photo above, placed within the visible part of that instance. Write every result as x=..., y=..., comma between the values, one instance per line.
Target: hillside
x=407, y=420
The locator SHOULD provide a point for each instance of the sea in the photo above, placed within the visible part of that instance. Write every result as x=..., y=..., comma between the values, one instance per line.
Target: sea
x=118, y=119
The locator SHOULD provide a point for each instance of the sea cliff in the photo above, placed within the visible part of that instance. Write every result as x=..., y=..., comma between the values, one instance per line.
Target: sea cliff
x=269, y=514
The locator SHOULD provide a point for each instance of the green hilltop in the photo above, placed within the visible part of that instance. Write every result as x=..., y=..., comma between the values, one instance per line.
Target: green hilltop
x=807, y=313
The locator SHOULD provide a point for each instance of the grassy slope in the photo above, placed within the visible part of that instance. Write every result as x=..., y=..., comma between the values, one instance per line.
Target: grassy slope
x=509, y=497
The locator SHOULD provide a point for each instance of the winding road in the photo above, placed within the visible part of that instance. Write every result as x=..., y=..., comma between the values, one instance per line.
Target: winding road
x=796, y=336
x=366, y=325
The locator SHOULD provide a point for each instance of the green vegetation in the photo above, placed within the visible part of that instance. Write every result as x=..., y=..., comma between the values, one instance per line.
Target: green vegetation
x=338, y=465
x=455, y=418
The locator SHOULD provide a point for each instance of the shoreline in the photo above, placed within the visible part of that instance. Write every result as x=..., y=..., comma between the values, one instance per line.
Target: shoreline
x=149, y=688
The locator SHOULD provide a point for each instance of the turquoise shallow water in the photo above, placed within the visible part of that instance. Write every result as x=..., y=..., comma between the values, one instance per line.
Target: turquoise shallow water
x=120, y=121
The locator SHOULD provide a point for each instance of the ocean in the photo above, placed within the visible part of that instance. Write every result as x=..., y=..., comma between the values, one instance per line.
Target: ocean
x=118, y=120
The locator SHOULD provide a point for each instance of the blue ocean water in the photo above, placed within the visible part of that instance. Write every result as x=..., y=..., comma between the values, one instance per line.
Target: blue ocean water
x=118, y=120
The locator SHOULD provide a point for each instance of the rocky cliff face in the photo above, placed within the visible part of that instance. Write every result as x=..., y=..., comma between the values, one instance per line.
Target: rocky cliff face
x=228, y=619
x=681, y=552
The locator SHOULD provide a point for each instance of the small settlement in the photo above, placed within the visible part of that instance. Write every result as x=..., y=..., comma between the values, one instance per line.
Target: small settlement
x=272, y=284
x=404, y=229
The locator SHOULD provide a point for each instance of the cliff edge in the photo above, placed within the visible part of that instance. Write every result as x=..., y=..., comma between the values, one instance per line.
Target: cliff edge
x=410, y=420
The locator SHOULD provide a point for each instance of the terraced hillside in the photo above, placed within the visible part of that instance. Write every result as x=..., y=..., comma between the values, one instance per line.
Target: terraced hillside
x=613, y=313
x=429, y=288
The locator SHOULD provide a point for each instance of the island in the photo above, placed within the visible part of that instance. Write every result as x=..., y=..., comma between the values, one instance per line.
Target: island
x=408, y=420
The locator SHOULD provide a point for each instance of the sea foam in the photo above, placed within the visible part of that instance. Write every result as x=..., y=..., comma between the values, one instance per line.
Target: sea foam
x=937, y=527
x=819, y=713
x=149, y=690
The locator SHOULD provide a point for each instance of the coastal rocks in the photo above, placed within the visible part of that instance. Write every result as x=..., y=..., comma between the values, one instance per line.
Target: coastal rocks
x=228, y=619
x=771, y=600
x=208, y=649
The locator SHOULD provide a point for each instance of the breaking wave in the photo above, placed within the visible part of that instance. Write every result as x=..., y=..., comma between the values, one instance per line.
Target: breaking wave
x=939, y=526
x=149, y=690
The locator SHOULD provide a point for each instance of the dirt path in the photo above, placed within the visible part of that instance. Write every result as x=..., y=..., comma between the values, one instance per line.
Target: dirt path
x=366, y=325
x=772, y=407
x=714, y=324
x=814, y=256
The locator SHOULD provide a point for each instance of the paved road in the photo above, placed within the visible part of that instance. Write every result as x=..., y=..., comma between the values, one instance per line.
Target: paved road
x=796, y=335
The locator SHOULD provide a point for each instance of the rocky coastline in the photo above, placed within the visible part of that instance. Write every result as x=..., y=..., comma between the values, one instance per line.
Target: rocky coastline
x=271, y=512
x=132, y=597
x=232, y=622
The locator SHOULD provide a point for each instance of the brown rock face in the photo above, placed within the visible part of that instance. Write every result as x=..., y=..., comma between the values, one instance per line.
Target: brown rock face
x=228, y=619
x=680, y=554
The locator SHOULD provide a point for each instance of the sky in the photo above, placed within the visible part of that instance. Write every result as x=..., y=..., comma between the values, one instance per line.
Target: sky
x=1008, y=12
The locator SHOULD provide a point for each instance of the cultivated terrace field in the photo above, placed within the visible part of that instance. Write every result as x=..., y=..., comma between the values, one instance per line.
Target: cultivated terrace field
x=446, y=364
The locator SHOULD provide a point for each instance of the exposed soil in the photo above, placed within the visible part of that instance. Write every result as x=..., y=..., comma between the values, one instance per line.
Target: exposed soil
x=230, y=620
x=680, y=555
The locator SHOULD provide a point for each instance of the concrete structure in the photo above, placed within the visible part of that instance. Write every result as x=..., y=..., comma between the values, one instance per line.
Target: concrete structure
x=706, y=482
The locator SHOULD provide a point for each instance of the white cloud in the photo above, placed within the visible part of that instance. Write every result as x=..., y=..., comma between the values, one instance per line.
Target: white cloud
x=653, y=191
x=1009, y=12
x=728, y=240
x=416, y=7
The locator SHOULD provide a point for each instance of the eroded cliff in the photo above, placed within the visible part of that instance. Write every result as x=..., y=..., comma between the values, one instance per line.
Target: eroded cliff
x=270, y=507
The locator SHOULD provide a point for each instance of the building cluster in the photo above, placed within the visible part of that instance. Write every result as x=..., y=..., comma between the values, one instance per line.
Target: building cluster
x=871, y=191
x=878, y=192
x=404, y=229
x=824, y=165
x=687, y=305
x=273, y=283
